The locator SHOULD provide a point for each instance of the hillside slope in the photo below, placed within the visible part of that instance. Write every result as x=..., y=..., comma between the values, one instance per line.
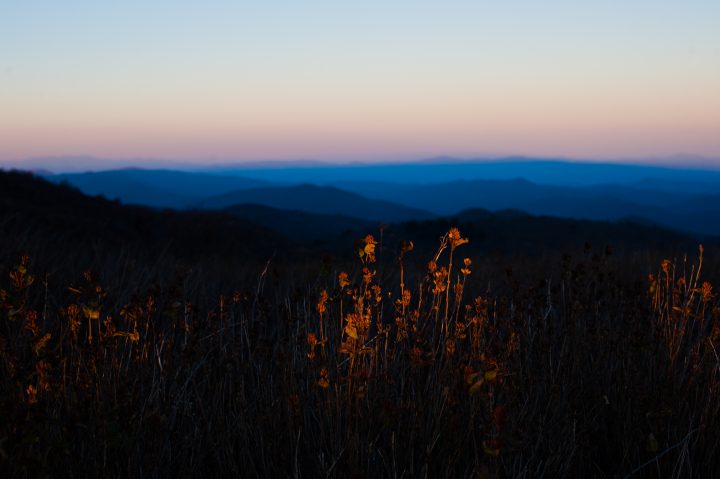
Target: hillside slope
x=318, y=199
x=68, y=232
x=156, y=188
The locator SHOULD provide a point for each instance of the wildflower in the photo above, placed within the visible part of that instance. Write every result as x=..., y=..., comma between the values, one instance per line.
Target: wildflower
x=368, y=276
x=353, y=323
x=406, y=246
x=460, y=330
x=450, y=346
x=322, y=303
x=665, y=265
x=652, y=284
x=706, y=291
x=41, y=343
x=456, y=239
x=366, y=249
x=43, y=369
x=470, y=374
x=73, y=313
x=474, y=380
x=440, y=280
x=31, y=322
x=324, y=381
x=466, y=270
x=402, y=328
x=406, y=295
x=377, y=291
x=312, y=343
x=31, y=392
x=91, y=313
x=19, y=277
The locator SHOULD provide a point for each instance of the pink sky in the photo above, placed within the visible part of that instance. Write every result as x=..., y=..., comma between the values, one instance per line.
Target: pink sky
x=372, y=82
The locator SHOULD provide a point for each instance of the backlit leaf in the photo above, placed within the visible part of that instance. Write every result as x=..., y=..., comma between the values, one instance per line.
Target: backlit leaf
x=351, y=331
x=41, y=343
x=470, y=378
x=476, y=387
x=91, y=313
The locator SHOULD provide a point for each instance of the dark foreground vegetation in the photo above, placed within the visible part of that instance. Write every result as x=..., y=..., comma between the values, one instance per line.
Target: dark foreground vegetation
x=159, y=344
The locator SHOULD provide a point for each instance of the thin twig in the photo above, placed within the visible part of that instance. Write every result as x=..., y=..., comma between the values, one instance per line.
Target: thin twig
x=654, y=459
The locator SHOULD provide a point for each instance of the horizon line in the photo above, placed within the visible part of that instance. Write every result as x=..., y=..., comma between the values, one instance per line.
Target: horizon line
x=676, y=160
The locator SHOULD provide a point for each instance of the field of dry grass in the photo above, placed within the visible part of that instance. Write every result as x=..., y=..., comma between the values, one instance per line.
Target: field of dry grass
x=392, y=366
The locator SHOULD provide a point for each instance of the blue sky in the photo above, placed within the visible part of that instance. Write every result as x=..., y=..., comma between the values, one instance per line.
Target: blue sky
x=359, y=80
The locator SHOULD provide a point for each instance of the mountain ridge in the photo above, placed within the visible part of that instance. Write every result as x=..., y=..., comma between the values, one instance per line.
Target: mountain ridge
x=319, y=200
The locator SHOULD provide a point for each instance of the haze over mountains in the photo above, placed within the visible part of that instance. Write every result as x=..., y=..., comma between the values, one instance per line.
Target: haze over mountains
x=685, y=199
x=157, y=188
x=318, y=199
x=33, y=210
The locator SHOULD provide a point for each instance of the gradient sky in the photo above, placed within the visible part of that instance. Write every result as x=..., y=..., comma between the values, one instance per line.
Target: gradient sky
x=332, y=80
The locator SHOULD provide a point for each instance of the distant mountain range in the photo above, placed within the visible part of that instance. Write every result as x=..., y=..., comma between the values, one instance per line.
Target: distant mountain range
x=683, y=199
x=690, y=209
x=437, y=169
x=318, y=199
x=45, y=218
x=156, y=188
x=541, y=171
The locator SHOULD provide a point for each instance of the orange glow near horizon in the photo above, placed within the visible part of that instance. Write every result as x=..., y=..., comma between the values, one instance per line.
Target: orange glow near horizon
x=608, y=80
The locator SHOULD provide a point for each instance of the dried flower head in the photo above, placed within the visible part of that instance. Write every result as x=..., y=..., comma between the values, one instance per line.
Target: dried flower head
x=665, y=265
x=456, y=239
x=324, y=381
x=31, y=392
x=366, y=249
x=368, y=276
x=706, y=291
x=322, y=303
x=466, y=270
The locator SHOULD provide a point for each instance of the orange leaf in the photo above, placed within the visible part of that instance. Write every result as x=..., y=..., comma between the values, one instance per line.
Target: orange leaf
x=351, y=331
x=476, y=387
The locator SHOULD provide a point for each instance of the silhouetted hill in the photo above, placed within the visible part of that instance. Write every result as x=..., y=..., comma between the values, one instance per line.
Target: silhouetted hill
x=514, y=232
x=64, y=229
x=684, y=209
x=304, y=226
x=318, y=199
x=157, y=188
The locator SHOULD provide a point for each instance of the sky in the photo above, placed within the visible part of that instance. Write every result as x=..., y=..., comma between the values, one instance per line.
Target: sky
x=373, y=80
